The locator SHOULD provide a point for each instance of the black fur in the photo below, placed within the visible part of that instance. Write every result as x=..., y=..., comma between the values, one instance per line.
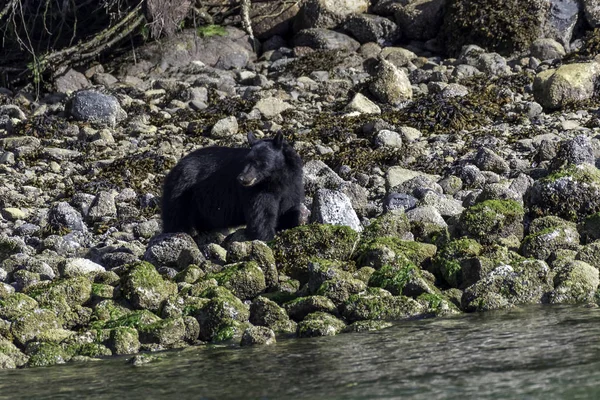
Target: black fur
x=220, y=187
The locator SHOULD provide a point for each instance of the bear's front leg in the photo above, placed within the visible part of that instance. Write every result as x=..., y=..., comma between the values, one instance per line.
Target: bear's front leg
x=289, y=219
x=261, y=216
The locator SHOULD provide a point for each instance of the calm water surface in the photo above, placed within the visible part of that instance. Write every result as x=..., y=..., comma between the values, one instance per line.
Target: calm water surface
x=530, y=353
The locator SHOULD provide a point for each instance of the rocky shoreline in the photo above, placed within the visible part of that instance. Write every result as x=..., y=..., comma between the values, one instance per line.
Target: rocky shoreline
x=436, y=186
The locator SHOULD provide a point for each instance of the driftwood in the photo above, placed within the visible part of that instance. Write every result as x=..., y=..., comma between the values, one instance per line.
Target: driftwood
x=44, y=38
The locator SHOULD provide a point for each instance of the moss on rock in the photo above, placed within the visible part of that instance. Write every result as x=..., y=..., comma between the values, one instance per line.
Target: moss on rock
x=30, y=324
x=492, y=220
x=294, y=248
x=124, y=340
x=16, y=305
x=265, y=312
x=246, y=280
x=575, y=282
x=320, y=324
x=453, y=257
x=45, y=354
x=377, y=303
x=386, y=250
x=223, y=317
x=145, y=288
x=299, y=308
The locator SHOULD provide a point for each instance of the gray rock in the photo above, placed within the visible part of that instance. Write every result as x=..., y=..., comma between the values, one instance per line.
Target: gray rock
x=447, y=207
x=561, y=20
x=398, y=56
x=576, y=151
x=92, y=106
x=333, y=207
x=386, y=138
x=472, y=176
x=396, y=201
x=270, y=19
x=270, y=107
x=547, y=49
x=225, y=127
x=372, y=28
x=487, y=160
x=390, y=84
x=317, y=175
x=420, y=19
x=79, y=267
x=174, y=250
x=327, y=13
x=464, y=71
x=12, y=111
x=324, y=39
x=363, y=105
x=410, y=134
x=454, y=90
x=102, y=207
x=492, y=63
x=71, y=81
x=63, y=216
x=591, y=9
x=575, y=282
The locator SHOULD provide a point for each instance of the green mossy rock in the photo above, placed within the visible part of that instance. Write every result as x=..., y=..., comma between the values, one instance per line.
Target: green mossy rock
x=339, y=289
x=574, y=282
x=387, y=250
x=258, y=335
x=73, y=291
x=258, y=252
x=320, y=324
x=493, y=220
x=503, y=27
x=572, y=193
x=265, y=312
x=91, y=350
x=102, y=291
x=46, y=354
x=299, y=308
x=145, y=288
x=191, y=274
x=548, y=235
x=246, y=280
x=134, y=319
x=294, y=248
x=591, y=228
x=377, y=303
x=402, y=277
x=453, y=257
x=223, y=317
x=525, y=282
x=167, y=332
x=8, y=349
x=393, y=223
x=16, y=305
x=590, y=253
x=32, y=323
x=124, y=340
x=109, y=309
x=566, y=85
x=438, y=304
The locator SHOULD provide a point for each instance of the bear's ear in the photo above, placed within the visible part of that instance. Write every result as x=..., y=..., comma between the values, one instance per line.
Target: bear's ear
x=252, y=139
x=278, y=140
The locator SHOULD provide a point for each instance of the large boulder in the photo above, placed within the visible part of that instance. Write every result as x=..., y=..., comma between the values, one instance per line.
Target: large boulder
x=93, y=106
x=556, y=88
x=390, y=85
x=420, y=19
x=327, y=13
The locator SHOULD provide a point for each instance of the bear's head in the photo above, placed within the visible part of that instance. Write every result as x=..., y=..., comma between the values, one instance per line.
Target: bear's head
x=264, y=161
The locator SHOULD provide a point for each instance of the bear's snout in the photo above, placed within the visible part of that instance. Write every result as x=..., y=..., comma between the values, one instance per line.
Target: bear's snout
x=246, y=179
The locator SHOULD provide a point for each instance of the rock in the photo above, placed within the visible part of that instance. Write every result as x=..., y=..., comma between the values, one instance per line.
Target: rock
x=396, y=176
x=487, y=160
x=561, y=20
x=427, y=222
x=576, y=151
x=547, y=49
x=363, y=105
x=225, y=127
x=265, y=312
x=324, y=39
x=420, y=19
x=327, y=13
x=390, y=85
x=258, y=335
x=493, y=220
x=271, y=106
x=525, y=282
x=168, y=333
x=294, y=248
x=335, y=208
x=385, y=138
x=493, y=64
x=174, y=250
x=547, y=235
x=270, y=19
x=591, y=9
x=245, y=279
x=575, y=282
x=556, y=88
x=320, y=324
x=102, y=207
x=124, y=340
x=398, y=56
x=399, y=201
x=256, y=251
x=71, y=81
x=143, y=286
x=79, y=267
x=12, y=111
x=379, y=304
x=572, y=192
x=32, y=324
x=371, y=28
x=317, y=175
x=223, y=317
x=92, y=106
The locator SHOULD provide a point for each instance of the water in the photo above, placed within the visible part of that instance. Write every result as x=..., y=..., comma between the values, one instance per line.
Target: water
x=539, y=352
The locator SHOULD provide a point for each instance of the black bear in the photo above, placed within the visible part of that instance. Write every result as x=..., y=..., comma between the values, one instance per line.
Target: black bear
x=220, y=187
